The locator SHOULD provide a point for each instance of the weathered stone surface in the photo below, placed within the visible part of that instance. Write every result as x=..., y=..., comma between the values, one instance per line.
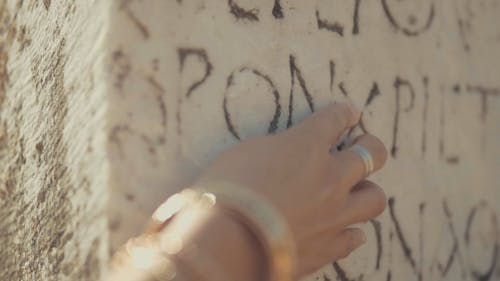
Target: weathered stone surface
x=193, y=77
x=130, y=99
x=52, y=146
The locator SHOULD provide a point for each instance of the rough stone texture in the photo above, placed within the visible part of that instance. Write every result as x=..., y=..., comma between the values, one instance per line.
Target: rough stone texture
x=130, y=99
x=52, y=142
x=193, y=77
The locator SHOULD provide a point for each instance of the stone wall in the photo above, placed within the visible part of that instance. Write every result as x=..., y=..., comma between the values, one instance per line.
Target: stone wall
x=53, y=166
x=193, y=77
x=129, y=100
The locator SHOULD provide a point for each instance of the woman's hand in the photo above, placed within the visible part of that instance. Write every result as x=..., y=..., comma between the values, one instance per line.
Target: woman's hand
x=319, y=192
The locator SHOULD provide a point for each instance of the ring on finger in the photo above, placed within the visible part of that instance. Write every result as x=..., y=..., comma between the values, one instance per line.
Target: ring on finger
x=366, y=156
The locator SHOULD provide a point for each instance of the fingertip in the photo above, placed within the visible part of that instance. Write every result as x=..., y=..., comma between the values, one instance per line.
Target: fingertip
x=329, y=123
x=382, y=149
x=375, y=199
x=353, y=238
x=361, y=238
x=355, y=113
x=365, y=201
x=351, y=112
x=338, y=118
x=380, y=201
x=356, y=234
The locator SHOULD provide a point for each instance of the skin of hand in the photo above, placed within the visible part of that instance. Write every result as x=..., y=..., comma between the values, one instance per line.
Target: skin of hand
x=319, y=192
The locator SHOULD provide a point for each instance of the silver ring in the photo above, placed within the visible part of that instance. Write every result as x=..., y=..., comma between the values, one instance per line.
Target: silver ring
x=366, y=156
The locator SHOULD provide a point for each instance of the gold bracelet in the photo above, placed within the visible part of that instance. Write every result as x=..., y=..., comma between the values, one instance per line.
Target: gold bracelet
x=191, y=210
x=193, y=205
x=160, y=253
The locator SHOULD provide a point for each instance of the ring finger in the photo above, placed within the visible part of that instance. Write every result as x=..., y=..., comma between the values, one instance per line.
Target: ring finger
x=352, y=165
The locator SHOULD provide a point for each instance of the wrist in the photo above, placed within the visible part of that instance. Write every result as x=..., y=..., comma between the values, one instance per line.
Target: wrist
x=233, y=246
x=237, y=230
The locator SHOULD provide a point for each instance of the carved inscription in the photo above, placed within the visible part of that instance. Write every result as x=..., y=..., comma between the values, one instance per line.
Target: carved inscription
x=420, y=99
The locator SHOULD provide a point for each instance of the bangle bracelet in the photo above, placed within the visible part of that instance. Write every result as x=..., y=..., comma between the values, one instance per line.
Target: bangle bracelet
x=264, y=220
x=259, y=215
x=191, y=210
x=160, y=253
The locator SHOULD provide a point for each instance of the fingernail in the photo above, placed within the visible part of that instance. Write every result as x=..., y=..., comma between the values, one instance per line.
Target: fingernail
x=362, y=238
x=355, y=112
x=357, y=241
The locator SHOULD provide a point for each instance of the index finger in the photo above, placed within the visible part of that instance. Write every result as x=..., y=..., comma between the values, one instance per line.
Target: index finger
x=327, y=125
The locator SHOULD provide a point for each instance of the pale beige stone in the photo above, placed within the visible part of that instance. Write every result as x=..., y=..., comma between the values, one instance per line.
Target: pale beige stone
x=134, y=86
x=53, y=164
